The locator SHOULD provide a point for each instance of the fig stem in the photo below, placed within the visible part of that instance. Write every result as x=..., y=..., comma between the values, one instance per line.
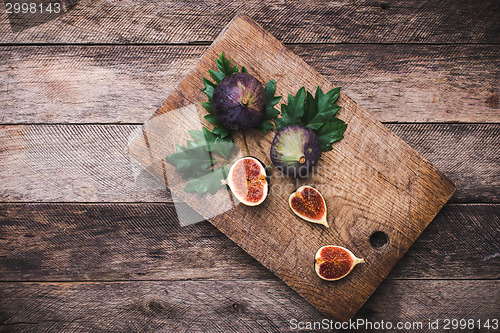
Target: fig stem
x=245, y=142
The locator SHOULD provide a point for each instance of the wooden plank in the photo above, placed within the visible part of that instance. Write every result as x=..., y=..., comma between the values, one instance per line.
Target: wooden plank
x=70, y=163
x=89, y=84
x=461, y=243
x=458, y=161
x=449, y=299
x=188, y=21
x=372, y=181
x=111, y=242
x=102, y=84
x=414, y=83
x=88, y=163
x=222, y=306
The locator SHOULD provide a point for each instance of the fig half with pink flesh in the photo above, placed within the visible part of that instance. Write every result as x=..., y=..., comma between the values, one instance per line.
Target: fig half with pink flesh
x=335, y=262
x=248, y=181
x=307, y=203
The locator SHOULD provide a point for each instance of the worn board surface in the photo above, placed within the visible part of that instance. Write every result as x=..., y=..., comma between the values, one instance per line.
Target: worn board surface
x=394, y=82
x=372, y=181
x=293, y=21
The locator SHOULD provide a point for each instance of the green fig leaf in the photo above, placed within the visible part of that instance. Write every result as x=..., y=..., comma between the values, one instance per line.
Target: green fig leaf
x=217, y=76
x=321, y=108
x=292, y=112
x=330, y=132
x=315, y=112
x=211, y=118
x=265, y=126
x=271, y=100
x=207, y=106
x=208, y=89
x=221, y=131
x=196, y=160
x=210, y=182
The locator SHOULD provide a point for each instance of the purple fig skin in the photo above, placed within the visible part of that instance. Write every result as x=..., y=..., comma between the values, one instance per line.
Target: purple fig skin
x=239, y=101
x=295, y=150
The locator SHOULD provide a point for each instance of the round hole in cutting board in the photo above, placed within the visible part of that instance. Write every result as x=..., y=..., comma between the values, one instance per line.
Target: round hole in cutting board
x=379, y=239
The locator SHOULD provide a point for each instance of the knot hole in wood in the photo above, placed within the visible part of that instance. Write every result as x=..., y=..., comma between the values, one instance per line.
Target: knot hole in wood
x=379, y=239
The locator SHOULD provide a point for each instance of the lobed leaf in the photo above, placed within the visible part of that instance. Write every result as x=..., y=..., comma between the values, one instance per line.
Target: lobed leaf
x=196, y=160
x=271, y=100
x=209, y=88
x=210, y=182
x=265, y=126
x=207, y=106
x=211, y=118
x=320, y=108
x=292, y=112
x=217, y=76
x=330, y=132
x=221, y=131
x=223, y=146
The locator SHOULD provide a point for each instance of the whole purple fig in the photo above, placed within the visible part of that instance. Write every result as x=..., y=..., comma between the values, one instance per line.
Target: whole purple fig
x=295, y=150
x=239, y=101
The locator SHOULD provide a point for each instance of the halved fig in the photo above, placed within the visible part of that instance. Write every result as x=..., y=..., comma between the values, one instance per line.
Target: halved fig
x=334, y=262
x=248, y=181
x=309, y=204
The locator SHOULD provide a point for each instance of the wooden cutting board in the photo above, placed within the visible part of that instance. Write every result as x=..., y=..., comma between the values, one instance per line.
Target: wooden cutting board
x=373, y=182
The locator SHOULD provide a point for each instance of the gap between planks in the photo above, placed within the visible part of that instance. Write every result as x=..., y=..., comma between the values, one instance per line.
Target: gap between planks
x=208, y=43
x=217, y=279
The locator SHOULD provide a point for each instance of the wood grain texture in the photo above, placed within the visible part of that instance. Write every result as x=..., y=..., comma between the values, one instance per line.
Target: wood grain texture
x=414, y=83
x=111, y=242
x=70, y=163
x=215, y=306
x=113, y=84
x=85, y=84
x=188, y=21
x=88, y=163
x=124, y=83
x=459, y=160
x=371, y=180
x=426, y=299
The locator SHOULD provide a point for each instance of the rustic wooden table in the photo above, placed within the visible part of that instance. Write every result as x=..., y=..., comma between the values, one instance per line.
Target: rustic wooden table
x=82, y=248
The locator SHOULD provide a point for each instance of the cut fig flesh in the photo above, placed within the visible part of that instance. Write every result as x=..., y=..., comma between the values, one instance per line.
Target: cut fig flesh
x=308, y=204
x=334, y=262
x=248, y=181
